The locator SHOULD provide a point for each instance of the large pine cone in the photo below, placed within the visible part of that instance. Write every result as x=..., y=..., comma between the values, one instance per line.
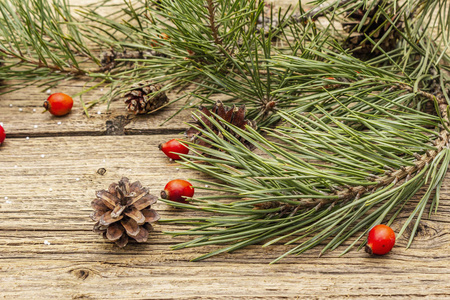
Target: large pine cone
x=145, y=97
x=357, y=41
x=123, y=212
x=233, y=115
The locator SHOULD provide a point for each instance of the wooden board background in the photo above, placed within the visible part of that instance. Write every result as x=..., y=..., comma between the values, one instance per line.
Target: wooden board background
x=48, y=178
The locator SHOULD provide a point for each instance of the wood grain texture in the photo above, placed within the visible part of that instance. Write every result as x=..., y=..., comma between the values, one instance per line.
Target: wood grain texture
x=46, y=202
x=48, y=249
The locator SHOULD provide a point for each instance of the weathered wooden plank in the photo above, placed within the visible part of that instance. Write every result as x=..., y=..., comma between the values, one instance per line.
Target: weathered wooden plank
x=80, y=264
x=68, y=164
x=137, y=278
x=75, y=240
x=39, y=173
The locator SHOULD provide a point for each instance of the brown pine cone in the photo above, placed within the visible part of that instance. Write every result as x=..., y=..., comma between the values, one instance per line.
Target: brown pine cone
x=233, y=115
x=123, y=212
x=145, y=97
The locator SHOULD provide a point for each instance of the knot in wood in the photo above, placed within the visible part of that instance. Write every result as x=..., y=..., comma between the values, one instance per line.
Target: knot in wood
x=81, y=273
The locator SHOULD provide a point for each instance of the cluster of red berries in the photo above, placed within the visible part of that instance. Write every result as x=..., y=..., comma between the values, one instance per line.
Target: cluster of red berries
x=176, y=190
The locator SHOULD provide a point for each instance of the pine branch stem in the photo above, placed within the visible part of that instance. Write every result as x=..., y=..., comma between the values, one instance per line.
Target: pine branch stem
x=68, y=70
x=212, y=21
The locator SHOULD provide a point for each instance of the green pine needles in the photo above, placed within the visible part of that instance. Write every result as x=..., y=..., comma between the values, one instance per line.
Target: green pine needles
x=352, y=121
x=322, y=177
x=354, y=140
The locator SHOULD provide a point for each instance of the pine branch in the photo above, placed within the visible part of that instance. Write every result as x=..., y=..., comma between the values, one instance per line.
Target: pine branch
x=272, y=198
x=40, y=37
x=249, y=174
x=44, y=38
x=69, y=70
x=395, y=176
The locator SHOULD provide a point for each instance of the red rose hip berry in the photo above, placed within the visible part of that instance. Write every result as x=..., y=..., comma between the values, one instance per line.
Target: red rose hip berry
x=58, y=104
x=172, y=147
x=2, y=135
x=381, y=240
x=177, y=190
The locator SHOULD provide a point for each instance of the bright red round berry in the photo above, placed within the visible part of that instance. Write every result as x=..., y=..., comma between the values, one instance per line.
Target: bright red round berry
x=381, y=240
x=177, y=190
x=2, y=134
x=172, y=147
x=58, y=104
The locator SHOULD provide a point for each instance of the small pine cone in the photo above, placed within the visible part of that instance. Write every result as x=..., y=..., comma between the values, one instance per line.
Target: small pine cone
x=356, y=40
x=233, y=115
x=145, y=97
x=123, y=212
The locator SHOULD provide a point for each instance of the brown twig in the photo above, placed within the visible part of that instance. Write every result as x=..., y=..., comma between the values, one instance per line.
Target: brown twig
x=70, y=70
x=212, y=21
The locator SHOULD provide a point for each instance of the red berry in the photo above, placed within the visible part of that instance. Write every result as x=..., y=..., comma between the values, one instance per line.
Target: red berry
x=381, y=240
x=58, y=104
x=177, y=190
x=2, y=134
x=172, y=147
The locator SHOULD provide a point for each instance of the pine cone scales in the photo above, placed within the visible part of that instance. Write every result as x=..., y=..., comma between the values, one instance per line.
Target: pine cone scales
x=145, y=97
x=233, y=115
x=123, y=212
